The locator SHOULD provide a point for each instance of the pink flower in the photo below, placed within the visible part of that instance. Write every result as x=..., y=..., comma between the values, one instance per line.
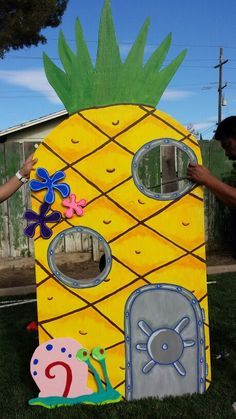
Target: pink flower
x=73, y=206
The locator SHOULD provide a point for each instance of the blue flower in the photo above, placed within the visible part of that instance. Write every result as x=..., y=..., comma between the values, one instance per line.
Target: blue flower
x=50, y=183
x=40, y=220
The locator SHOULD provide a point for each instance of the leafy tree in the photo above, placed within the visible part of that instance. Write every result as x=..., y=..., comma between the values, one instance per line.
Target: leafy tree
x=22, y=20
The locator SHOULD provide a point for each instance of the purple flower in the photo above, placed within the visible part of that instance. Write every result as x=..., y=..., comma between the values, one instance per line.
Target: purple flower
x=40, y=220
x=50, y=183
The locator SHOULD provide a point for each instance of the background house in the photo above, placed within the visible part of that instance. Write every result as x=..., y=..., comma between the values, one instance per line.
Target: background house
x=16, y=143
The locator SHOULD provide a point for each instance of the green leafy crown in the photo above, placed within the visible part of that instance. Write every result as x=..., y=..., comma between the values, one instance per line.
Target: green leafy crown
x=111, y=81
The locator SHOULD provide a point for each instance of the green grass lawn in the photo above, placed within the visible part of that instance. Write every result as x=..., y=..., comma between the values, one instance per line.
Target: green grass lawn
x=17, y=386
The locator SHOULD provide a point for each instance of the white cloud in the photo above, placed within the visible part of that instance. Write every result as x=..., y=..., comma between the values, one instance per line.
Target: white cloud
x=210, y=122
x=34, y=80
x=174, y=95
x=201, y=125
x=212, y=118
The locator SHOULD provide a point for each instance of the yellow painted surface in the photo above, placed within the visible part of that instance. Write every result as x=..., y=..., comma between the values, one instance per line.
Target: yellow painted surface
x=110, y=219
x=95, y=148
x=178, y=223
x=112, y=120
x=111, y=164
x=75, y=138
x=136, y=203
x=141, y=248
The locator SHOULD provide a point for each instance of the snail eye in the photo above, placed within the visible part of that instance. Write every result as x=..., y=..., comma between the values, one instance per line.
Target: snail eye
x=82, y=354
x=99, y=353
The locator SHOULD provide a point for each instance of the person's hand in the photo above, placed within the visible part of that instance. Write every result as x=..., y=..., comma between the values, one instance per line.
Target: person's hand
x=27, y=166
x=198, y=174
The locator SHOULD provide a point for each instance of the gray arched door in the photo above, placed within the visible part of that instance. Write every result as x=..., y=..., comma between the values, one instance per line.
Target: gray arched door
x=165, y=346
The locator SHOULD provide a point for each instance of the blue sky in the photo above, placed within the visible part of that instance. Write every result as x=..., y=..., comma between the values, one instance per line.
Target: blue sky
x=201, y=26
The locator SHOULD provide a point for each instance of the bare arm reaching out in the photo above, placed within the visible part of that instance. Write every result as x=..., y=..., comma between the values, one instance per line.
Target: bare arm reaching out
x=202, y=176
x=14, y=183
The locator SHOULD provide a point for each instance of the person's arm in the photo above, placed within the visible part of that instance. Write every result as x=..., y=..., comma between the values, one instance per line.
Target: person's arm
x=13, y=184
x=202, y=176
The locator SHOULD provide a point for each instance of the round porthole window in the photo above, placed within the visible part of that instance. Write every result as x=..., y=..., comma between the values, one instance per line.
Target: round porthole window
x=159, y=169
x=79, y=257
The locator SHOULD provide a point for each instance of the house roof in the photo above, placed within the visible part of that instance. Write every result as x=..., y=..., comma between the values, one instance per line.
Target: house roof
x=28, y=124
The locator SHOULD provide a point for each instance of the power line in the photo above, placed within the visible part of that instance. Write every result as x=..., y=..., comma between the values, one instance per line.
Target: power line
x=167, y=62
x=155, y=45
x=22, y=57
x=6, y=94
x=201, y=85
x=203, y=131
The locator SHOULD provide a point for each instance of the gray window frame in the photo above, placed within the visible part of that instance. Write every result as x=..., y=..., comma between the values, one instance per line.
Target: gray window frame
x=146, y=148
x=79, y=283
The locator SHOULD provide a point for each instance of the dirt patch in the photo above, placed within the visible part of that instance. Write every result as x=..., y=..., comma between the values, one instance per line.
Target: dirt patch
x=16, y=272
x=26, y=276
x=220, y=258
x=20, y=271
x=16, y=277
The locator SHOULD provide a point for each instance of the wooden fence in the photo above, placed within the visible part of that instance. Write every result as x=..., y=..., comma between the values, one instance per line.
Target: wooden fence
x=14, y=243
x=218, y=228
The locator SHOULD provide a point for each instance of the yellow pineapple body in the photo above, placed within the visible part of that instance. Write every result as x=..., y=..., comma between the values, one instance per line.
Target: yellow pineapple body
x=151, y=241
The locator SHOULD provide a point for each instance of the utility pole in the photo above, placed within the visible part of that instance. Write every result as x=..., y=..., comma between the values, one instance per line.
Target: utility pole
x=220, y=87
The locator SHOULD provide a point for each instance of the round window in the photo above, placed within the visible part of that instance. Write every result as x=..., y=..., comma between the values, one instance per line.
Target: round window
x=159, y=169
x=79, y=257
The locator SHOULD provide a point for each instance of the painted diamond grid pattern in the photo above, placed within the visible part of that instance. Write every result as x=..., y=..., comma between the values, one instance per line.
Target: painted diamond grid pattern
x=179, y=131
x=102, y=191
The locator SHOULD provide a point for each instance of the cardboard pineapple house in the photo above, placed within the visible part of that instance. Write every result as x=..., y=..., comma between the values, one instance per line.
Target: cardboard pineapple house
x=147, y=309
